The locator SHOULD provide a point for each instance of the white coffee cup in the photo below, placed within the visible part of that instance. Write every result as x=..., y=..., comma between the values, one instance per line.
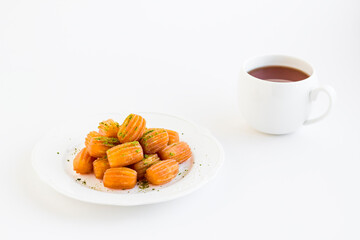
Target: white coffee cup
x=280, y=107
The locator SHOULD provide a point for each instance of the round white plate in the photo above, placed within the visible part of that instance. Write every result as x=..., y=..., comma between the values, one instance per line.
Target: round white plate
x=53, y=155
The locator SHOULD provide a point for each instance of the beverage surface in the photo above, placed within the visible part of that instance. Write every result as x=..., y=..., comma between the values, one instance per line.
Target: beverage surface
x=278, y=74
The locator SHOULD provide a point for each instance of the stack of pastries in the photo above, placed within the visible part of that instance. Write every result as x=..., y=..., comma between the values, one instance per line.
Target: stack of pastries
x=121, y=155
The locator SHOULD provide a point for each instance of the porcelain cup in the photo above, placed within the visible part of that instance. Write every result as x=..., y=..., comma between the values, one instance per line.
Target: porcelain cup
x=280, y=107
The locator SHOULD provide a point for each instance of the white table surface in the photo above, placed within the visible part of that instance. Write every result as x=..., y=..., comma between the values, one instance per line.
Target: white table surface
x=64, y=59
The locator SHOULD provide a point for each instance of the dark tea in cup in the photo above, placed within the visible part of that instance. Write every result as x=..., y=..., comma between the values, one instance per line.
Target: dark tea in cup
x=278, y=74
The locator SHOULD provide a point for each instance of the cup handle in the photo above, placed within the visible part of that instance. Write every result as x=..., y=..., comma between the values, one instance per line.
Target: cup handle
x=330, y=92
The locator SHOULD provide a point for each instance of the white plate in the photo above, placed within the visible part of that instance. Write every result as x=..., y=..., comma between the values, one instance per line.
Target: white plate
x=53, y=155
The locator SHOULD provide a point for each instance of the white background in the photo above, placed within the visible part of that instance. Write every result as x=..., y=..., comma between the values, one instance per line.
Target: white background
x=63, y=59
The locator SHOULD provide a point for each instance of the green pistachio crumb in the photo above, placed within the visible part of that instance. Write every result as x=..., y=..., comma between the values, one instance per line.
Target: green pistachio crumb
x=108, y=141
x=143, y=184
x=147, y=132
x=106, y=126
